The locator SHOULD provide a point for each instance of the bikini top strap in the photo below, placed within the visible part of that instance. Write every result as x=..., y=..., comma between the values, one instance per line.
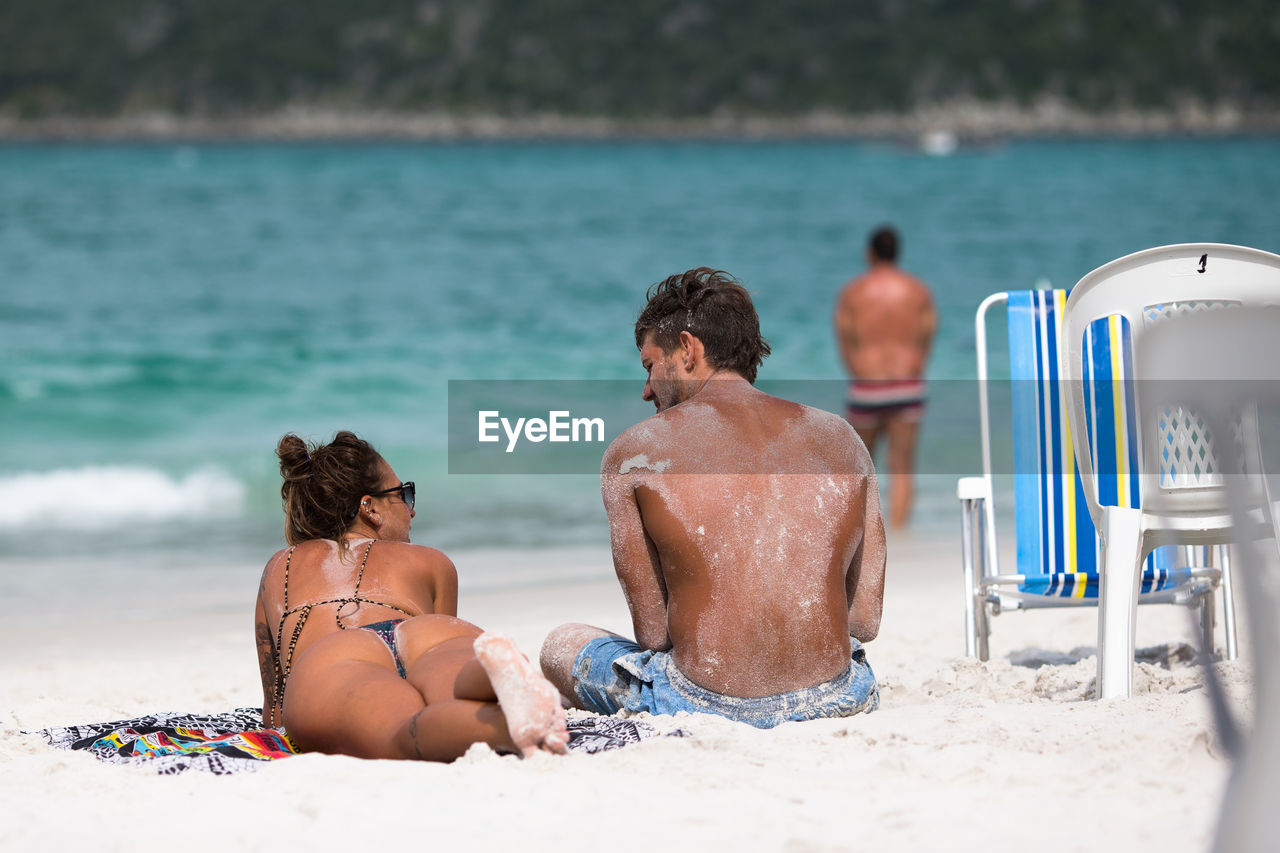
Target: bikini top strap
x=355, y=594
x=287, y=560
x=285, y=606
x=363, y=563
x=286, y=667
x=282, y=667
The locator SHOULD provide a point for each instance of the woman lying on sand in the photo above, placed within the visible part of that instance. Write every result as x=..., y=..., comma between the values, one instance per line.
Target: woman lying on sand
x=360, y=649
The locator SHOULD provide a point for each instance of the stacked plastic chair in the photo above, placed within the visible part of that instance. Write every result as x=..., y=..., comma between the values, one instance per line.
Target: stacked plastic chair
x=1181, y=496
x=1231, y=378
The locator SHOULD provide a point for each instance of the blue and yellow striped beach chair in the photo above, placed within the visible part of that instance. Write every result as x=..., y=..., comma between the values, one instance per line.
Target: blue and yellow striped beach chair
x=1057, y=545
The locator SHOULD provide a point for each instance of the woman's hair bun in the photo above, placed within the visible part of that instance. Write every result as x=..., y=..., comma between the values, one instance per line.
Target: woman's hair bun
x=293, y=454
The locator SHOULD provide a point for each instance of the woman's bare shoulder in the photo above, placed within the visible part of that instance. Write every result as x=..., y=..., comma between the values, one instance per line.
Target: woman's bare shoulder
x=277, y=558
x=419, y=555
x=274, y=562
x=430, y=573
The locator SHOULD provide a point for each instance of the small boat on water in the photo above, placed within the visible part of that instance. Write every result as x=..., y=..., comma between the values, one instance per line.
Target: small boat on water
x=938, y=143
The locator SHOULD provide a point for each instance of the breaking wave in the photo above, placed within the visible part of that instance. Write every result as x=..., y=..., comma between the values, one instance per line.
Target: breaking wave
x=93, y=498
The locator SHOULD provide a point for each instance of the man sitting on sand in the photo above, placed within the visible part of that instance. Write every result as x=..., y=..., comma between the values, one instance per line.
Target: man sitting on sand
x=746, y=534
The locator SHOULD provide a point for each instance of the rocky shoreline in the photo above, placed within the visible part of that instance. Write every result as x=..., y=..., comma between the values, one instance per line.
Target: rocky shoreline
x=964, y=122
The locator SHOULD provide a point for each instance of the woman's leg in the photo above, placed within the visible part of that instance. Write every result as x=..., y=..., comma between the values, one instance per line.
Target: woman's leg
x=535, y=717
x=345, y=696
x=451, y=661
x=440, y=660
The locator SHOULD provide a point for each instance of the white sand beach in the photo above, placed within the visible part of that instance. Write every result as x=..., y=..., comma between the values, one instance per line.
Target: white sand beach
x=960, y=756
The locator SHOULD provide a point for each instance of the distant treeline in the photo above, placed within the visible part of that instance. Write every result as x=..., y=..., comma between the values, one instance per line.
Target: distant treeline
x=647, y=58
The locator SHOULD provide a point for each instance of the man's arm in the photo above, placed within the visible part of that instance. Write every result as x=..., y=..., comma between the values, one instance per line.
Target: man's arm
x=929, y=326
x=864, y=582
x=635, y=559
x=846, y=336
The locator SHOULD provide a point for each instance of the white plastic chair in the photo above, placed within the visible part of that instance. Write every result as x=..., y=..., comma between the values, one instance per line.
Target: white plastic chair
x=1182, y=499
x=1232, y=376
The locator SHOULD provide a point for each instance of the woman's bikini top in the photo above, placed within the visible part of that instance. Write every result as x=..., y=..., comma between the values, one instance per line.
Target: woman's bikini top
x=304, y=610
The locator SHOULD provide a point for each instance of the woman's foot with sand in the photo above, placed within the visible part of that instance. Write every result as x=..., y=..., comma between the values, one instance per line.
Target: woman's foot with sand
x=530, y=703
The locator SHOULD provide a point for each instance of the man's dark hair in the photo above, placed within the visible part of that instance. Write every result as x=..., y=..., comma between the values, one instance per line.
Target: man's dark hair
x=713, y=307
x=884, y=244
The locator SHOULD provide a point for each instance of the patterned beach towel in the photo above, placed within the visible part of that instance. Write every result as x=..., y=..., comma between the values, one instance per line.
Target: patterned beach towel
x=237, y=741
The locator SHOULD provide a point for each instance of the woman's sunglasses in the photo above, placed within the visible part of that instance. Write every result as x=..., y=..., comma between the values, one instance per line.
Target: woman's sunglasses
x=407, y=493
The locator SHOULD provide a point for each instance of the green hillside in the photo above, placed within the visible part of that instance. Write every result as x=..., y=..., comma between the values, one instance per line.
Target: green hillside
x=651, y=58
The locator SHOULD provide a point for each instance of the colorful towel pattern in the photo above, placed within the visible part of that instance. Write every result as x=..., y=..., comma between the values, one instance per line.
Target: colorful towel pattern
x=171, y=743
x=236, y=741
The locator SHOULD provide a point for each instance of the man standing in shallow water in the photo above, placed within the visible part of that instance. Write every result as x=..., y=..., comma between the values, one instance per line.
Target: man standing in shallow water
x=885, y=321
x=746, y=535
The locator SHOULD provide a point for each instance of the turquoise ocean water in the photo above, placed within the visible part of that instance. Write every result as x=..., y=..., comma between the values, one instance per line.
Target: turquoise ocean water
x=167, y=312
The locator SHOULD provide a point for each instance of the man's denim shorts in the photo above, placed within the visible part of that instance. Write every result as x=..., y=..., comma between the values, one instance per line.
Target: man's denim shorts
x=612, y=674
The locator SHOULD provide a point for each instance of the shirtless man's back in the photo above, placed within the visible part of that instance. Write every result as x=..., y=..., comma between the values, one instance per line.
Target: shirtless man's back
x=747, y=538
x=885, y=322
x=757, y=508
